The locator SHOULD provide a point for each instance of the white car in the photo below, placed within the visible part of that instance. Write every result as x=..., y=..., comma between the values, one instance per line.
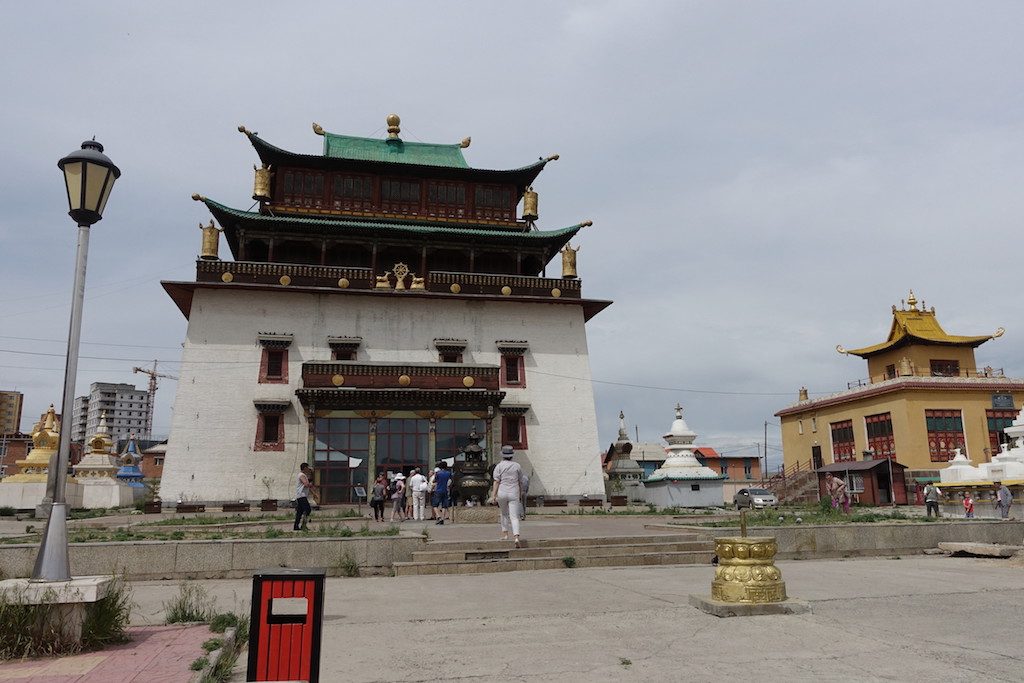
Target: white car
x=755, y=498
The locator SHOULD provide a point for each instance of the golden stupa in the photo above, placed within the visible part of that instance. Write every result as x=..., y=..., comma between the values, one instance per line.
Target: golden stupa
x=45, y=440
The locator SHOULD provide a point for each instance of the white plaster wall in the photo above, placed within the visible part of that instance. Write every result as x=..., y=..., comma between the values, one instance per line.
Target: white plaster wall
x=210, y=452
x=666, y=494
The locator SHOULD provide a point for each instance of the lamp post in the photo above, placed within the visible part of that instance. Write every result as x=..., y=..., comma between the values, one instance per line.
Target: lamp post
x=89, y=176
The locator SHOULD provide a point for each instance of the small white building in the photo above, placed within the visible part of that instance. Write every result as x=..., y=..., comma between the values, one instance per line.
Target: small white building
x=682, y=481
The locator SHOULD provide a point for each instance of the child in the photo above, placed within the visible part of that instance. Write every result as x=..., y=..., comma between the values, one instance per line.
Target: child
x=968, y=505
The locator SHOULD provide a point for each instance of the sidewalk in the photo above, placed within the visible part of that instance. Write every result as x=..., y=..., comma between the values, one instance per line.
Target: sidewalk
x=155, y=654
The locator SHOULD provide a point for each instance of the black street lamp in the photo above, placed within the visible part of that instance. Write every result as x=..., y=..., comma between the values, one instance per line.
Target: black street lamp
x=89, y=176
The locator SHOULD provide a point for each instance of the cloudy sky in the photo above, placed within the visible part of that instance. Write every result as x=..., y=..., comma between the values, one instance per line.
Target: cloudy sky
x=765, y=178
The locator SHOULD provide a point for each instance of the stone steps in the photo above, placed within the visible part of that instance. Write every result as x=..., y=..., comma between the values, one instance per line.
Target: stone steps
x=485, y=557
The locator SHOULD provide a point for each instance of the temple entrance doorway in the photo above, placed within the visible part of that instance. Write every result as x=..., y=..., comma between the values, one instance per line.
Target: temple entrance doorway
x=340, y=457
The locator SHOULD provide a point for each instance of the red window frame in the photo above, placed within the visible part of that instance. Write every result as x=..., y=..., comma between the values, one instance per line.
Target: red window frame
x=880, y=436
x=265, y=377
x=262, y=444
x=996, y=420
x=521, y=443
x=843, y=445
x=945, y=433
x=520, y=364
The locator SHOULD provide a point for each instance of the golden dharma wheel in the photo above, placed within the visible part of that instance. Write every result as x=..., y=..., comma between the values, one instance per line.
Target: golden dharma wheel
x=468, y=381
x=343, y=283
x=227, y=277
x=338, y=380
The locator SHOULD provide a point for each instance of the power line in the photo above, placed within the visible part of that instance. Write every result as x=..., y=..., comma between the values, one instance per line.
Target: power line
x=64, y=341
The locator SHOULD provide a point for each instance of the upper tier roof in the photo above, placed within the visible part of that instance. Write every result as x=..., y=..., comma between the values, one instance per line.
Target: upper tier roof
x=914, y=326
x=370, y=155
x=393, y=151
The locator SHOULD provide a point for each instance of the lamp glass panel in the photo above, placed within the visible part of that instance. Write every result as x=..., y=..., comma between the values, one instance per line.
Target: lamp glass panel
x=94, y=177
x=73, y=178
x=106, y=193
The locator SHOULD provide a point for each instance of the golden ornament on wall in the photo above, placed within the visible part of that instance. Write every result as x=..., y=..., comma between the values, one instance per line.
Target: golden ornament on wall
x=337, y=380
x=343, y=283
x=285, y=280
x=468, y=381
x=227, y=277
x=556, y=292
x=455, y=288
x=405, y=380
x=506, y=290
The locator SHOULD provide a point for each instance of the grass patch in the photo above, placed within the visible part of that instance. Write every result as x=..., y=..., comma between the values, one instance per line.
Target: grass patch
x=569, y=561
x=212, y=644
x=192, y=603
x=7, y=511
x=347, y=566
x=199, y=663
x=35, y=630
x=221, y=622
x=813, y=515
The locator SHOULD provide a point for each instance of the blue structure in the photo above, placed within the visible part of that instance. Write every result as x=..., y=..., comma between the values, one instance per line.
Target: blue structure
x=130, y=458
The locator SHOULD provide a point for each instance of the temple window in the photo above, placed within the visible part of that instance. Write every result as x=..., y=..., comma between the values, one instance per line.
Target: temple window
x=998, y=420
x=890, y=371
x=344, y=348
x=270, y=425
x=450, y=350
x=843, y=447
x=352, y=192
x=493, y=202
x=513, y=367
x=800, y=426
x=304, y=188
x=401, y=196
x=945, y=368
x=945, y=433
x=274, y=359
x=446, y=199
x=513, y=431
x=880, y=437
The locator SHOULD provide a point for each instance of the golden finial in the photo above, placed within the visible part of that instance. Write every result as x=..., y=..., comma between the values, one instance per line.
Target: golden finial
x=912, y=301
x=586, y=224
x=245, y=131
x=317, y=128
x=840, y=349
x=393, y=122
x=553, y=157
x=198, y=197
x=999, y=333
x=465, y=142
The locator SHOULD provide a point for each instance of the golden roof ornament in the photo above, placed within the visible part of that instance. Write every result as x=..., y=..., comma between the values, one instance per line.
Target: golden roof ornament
x=465, y=142
x=394, y=122
x=211, y=242
x=530, y=205
x=317, y=128
x=912, y=301
x=569, y=262
x=261, y=183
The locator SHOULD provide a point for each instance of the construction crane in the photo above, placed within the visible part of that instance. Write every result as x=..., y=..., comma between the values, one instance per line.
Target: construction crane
x=153, y=374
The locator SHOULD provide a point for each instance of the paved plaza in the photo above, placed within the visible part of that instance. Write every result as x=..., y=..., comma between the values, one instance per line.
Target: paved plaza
x=919, y=618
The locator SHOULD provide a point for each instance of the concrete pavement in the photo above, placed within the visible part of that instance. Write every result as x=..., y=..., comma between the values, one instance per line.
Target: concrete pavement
x=951, y=619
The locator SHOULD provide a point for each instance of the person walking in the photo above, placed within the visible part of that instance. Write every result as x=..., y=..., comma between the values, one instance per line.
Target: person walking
x=1004, y=499
x=418, y=484
x=931, y=500
x=379, y=495
x=836, y=489
x=968, y=505
x=442, y=493
x=507, y=492
x=398, y=497
x=303, y=486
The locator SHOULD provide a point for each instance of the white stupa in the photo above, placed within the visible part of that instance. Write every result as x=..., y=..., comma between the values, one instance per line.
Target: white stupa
x=682, y=481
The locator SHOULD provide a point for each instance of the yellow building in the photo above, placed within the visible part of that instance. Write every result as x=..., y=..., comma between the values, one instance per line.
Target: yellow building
x=923, y=398
x=10, y=411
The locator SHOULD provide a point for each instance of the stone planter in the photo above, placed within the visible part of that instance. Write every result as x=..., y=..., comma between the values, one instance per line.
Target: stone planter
x=268, y=505
x=235, y=507
x=555, y=502
x=591, y=503
x=153, y=507
x=620, y=501
x=190, y=507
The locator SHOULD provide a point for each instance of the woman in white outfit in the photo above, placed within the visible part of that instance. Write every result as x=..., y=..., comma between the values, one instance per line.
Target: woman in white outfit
x=507, y=493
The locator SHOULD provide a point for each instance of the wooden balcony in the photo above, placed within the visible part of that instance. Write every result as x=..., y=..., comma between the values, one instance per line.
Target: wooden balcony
x=422, y=376
x=337, y=277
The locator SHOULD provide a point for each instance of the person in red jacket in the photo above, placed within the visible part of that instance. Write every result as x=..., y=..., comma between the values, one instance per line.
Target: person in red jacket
x=968, y=505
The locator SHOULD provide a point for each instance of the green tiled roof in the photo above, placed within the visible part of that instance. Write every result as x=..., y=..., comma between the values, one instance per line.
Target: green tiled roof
x=228, y=216
x=395, y=151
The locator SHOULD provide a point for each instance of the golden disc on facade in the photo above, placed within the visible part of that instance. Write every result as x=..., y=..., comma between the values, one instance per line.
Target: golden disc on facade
x=468, y=381
x=227, y=277
x=556, y=292
x=338, y=380
x=506, y=290
x=455, y=288
x=285, y=280
x=343, y=283
x=405, y=380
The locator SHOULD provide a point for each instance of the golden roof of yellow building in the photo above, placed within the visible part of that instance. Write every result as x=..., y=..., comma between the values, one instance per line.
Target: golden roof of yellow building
x=913, y=325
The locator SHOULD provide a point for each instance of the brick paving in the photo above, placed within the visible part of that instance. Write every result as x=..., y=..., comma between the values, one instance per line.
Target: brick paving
x=155, y=654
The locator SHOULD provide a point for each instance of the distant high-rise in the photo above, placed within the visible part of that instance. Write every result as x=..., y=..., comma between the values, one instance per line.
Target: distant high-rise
x=10, y=411
x=124, y=405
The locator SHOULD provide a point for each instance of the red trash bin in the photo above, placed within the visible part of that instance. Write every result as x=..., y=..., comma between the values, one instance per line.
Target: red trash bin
x=286, y=624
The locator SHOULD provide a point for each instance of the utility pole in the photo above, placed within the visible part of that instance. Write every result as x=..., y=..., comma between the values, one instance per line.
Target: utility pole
x=766, y=446
x=153, y=374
